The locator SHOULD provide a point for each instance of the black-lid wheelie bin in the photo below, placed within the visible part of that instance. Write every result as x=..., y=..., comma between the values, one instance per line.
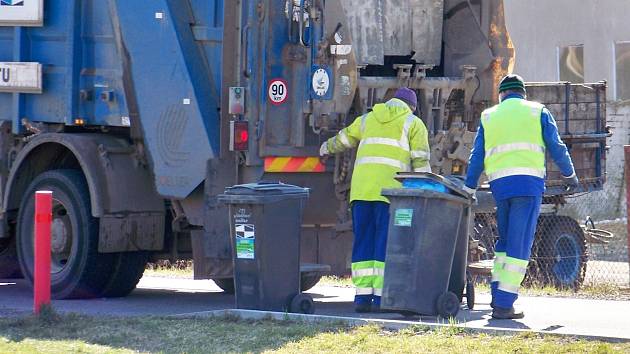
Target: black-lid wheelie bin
x=265, y=223
x=427, y=246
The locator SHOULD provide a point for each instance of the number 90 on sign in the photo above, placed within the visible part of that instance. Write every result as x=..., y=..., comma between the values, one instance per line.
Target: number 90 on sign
x=277, y=91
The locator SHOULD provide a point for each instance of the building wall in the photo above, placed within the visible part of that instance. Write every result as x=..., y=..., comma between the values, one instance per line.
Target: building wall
x=538, y=28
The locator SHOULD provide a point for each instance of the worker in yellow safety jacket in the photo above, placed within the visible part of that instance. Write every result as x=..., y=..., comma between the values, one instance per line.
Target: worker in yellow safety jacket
x=510, y=147
x=390, y=139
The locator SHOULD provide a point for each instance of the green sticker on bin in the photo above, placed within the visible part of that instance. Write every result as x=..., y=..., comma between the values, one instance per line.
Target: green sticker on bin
x=245, y=237
x=403, y=217
x=245, y=248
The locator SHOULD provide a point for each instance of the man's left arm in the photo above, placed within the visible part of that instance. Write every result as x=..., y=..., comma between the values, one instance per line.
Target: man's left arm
x=419, y=146
x=557, y=149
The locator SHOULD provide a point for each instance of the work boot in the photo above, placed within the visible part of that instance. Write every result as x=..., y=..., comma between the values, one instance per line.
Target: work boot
x=363, y=307
x=501, y=313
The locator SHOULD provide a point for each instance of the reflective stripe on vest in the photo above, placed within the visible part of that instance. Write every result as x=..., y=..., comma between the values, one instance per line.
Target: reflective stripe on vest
x=513, y=140
x=516, y=171
x=514, y=147
x=402, y=143
x=384, y=161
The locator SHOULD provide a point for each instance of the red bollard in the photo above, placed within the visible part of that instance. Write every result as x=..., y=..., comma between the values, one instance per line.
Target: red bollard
x=43, y=222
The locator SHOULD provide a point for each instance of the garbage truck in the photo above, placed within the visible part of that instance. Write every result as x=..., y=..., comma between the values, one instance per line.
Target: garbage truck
x=138, y=114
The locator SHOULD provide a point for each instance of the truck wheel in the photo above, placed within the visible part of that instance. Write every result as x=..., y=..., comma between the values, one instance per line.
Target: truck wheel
x=9, y=266
x=128, y=269
x=562, y=253
x=77, y=269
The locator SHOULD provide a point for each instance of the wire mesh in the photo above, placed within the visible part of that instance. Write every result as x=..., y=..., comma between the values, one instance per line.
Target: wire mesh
x=577, y=243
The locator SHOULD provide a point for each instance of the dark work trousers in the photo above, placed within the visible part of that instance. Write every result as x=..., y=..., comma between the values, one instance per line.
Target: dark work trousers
x=370, y=221
x=517, y=218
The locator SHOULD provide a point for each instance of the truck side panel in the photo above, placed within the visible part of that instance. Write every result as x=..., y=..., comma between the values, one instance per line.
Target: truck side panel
x=177, y=104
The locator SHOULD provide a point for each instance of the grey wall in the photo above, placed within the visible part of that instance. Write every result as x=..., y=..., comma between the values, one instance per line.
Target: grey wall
x=539, y=27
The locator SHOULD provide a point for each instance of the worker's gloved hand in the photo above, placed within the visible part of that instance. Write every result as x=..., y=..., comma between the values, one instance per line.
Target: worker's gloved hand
x=471, y=193
x=323, y=150
x=571, y=183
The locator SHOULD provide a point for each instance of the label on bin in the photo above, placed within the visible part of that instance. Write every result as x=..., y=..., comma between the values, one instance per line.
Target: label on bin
x=403, y=217
x=245, y=236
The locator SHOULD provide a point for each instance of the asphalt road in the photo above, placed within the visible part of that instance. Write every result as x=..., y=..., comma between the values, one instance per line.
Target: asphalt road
x=169, y=296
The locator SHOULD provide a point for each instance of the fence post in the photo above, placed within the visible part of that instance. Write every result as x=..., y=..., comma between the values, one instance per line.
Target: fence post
x=43, y=221
x=626, y=153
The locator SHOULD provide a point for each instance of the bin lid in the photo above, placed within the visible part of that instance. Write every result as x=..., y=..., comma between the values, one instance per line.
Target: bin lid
x=262, y=192
x=453, y=183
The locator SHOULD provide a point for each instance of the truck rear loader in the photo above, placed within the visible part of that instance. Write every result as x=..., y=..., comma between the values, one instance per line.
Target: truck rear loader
x=137, y=114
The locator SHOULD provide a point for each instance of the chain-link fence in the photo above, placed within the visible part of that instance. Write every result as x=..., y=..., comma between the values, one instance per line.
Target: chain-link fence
x=571, y=249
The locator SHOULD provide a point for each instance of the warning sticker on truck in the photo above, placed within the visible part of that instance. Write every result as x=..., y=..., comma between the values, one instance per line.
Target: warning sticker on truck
x=23, y=77
x=245, y=237
x=21, y=12
x=403, y=217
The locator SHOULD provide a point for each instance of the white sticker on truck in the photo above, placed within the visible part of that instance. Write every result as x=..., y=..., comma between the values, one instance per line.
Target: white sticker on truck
x=21, y=12
x=20, y=77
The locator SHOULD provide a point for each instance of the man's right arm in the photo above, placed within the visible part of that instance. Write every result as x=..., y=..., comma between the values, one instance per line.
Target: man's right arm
x=347, y=138
x=475, y=162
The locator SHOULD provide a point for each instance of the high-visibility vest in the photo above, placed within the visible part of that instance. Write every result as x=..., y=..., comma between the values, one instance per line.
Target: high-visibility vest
x=513, y=138
x=391, y=139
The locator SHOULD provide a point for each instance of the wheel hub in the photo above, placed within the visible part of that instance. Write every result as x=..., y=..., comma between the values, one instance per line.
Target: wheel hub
x=59, y=239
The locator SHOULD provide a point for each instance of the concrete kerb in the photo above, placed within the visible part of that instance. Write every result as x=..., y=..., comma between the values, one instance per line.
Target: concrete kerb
x=385, y=324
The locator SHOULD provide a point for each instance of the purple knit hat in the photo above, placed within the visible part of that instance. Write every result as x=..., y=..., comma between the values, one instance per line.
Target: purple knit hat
x=407, y=95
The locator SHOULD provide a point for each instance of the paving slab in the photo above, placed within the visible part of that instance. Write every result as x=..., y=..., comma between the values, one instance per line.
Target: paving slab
x=158, y=296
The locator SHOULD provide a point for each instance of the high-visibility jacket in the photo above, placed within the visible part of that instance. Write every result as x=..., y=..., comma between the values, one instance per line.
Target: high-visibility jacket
x=391, y=139
x=514, y=143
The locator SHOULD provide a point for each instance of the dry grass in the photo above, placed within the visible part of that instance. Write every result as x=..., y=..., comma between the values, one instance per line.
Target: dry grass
x=75, y=333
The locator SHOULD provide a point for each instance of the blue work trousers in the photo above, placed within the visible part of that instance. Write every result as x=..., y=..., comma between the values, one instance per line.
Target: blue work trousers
x=370, y=220
x=517, y=218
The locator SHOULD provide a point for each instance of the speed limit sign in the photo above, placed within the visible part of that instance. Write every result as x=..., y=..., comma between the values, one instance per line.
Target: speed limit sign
x=277, y=91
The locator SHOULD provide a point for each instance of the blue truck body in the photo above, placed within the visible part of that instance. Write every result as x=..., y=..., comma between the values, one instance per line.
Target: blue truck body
x=132, y=104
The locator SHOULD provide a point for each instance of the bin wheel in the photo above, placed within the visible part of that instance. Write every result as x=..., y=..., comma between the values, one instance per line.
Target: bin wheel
x=470, y=295
x=225, y=284
x=302, y=303
x=448, y=305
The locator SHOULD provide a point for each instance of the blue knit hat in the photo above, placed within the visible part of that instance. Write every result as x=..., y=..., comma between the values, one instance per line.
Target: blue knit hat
x=408, y=96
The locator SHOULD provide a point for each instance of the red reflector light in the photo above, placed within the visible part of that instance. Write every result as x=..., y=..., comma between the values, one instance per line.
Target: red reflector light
x=244, y=136
x=239, y=135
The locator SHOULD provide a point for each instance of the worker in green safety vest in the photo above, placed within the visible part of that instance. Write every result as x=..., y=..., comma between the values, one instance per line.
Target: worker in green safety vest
x=510, y=146
x=390, y=139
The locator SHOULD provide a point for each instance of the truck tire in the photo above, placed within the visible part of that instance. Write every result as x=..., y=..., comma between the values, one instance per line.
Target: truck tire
x=562, y=255
x=9, y=266
x=127, y=271
x=77, y=269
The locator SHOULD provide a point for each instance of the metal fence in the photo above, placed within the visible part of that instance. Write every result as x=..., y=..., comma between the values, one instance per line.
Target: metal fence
x=572, y=248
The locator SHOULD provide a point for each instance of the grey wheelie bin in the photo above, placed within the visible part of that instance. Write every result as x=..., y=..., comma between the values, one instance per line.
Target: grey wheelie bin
x=427, y=246
x=265, y=222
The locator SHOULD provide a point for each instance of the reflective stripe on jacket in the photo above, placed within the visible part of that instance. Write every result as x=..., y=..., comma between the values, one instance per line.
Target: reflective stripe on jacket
x=390, y=139
x=514, y=142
